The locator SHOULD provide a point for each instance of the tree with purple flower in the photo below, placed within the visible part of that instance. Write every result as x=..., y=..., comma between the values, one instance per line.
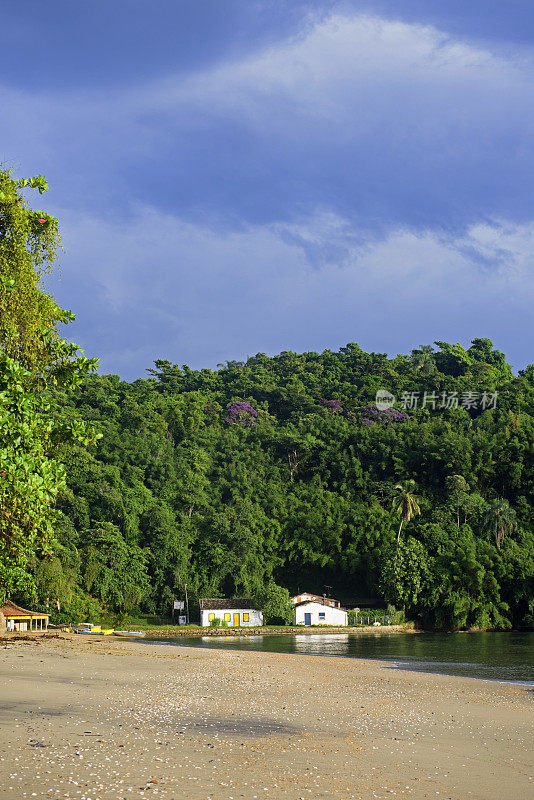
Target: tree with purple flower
x=373, y=415
x=242, y=414
x=332, y=405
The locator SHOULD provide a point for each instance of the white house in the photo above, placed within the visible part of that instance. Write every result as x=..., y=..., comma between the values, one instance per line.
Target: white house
x=238, y=612
x=313, y=612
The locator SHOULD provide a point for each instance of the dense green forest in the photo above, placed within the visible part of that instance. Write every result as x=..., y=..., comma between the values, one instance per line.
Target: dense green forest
x=281, y=473
x=259, y=478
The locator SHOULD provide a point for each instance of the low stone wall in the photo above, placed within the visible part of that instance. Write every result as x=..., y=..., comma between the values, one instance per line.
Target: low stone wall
x=307, y=630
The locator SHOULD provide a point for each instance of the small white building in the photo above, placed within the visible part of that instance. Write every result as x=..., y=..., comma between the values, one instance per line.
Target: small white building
x=312, y=612
x=238, y=612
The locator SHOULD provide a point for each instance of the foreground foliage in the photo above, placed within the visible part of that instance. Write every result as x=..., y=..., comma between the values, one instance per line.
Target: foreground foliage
x=33, y=359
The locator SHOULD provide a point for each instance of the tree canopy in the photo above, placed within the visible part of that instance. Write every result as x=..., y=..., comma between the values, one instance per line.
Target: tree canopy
x=261, y=478
x=282, y=472
x=33, y=358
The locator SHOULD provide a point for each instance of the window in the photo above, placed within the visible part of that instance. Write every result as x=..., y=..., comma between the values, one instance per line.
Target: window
x=211, y=617
x=246, y=618
x=227, y=617
x=321, y=614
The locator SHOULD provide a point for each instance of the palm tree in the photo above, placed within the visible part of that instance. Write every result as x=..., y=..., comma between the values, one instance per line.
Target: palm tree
x=405, y=503
x=423, y=359
x=499, y=520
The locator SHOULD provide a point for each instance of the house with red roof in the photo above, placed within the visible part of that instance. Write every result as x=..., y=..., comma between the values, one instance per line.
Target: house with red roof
x=16, y=618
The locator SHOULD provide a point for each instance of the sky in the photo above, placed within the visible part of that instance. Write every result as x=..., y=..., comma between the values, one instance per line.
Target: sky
x=240, y=177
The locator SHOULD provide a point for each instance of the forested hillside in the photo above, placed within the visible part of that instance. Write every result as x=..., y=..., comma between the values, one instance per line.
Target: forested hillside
x=281, y=472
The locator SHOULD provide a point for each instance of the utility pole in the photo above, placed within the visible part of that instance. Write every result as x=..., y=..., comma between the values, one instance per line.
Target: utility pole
x=186, y=604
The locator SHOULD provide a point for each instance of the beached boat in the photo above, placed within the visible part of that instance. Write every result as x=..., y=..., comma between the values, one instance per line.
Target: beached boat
x=129, y=634
x=94, y=633
x=92, y=630
x=87, y=627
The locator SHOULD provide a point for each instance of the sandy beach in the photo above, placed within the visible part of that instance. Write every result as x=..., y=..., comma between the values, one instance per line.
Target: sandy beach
x=94, y=719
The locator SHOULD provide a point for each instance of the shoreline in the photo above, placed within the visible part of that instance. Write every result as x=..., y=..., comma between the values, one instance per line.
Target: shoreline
x=392, y=664
x=107, y=718
x=279, y=631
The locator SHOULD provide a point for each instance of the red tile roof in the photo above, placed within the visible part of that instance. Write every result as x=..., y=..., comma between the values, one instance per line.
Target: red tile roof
x=221, y=603
x=315, y=598
x=10, y=609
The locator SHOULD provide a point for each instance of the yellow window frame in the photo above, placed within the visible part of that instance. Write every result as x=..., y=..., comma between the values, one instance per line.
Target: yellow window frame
x=246, y=618
x=227, y=617
x=211, y=617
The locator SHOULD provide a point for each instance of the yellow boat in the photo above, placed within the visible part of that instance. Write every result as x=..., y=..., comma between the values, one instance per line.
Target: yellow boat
x=93, y=630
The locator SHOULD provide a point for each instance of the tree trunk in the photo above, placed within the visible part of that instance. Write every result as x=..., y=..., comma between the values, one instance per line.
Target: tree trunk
x=399, y=533
x=498, y=538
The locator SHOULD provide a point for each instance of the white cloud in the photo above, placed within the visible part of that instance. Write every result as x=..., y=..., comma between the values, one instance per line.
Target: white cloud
x=196, y=294
x=361, y=71
x=387, y=101
x=380, y=125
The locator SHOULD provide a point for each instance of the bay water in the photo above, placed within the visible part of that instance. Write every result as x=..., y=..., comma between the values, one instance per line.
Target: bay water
x=489, y=656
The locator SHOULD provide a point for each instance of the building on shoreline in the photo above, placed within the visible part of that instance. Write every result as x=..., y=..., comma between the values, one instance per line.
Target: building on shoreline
x=20, y=619
x=312, y=609
x=238, y=612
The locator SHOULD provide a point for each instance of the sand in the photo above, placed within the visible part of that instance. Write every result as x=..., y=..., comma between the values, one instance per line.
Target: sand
x=94, y=719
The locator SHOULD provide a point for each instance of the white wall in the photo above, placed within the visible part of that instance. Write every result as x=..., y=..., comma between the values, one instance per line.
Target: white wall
x=332, y=616
x=255, y=618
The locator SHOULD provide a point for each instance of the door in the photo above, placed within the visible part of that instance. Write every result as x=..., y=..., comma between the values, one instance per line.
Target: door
x=307, y=619
x=236, y=620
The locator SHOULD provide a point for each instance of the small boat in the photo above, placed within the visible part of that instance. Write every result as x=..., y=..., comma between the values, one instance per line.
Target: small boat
x=89, y=631
x=92, y=630
x=129, y=634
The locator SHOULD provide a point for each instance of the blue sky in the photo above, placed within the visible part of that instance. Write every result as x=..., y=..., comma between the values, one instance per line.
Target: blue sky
x=234, y=178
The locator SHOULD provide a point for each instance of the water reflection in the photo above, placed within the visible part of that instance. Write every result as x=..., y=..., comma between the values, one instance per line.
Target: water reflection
x=493, y=656
x=320, y=643
x=225, y=639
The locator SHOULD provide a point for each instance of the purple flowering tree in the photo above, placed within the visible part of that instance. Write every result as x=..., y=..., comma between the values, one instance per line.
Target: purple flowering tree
x=368, y=415
x=332, y=405
x=371, y=415
x=241, y=413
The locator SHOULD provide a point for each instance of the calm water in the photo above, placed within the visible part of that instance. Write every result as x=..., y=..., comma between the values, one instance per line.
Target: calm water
x=493, y=656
